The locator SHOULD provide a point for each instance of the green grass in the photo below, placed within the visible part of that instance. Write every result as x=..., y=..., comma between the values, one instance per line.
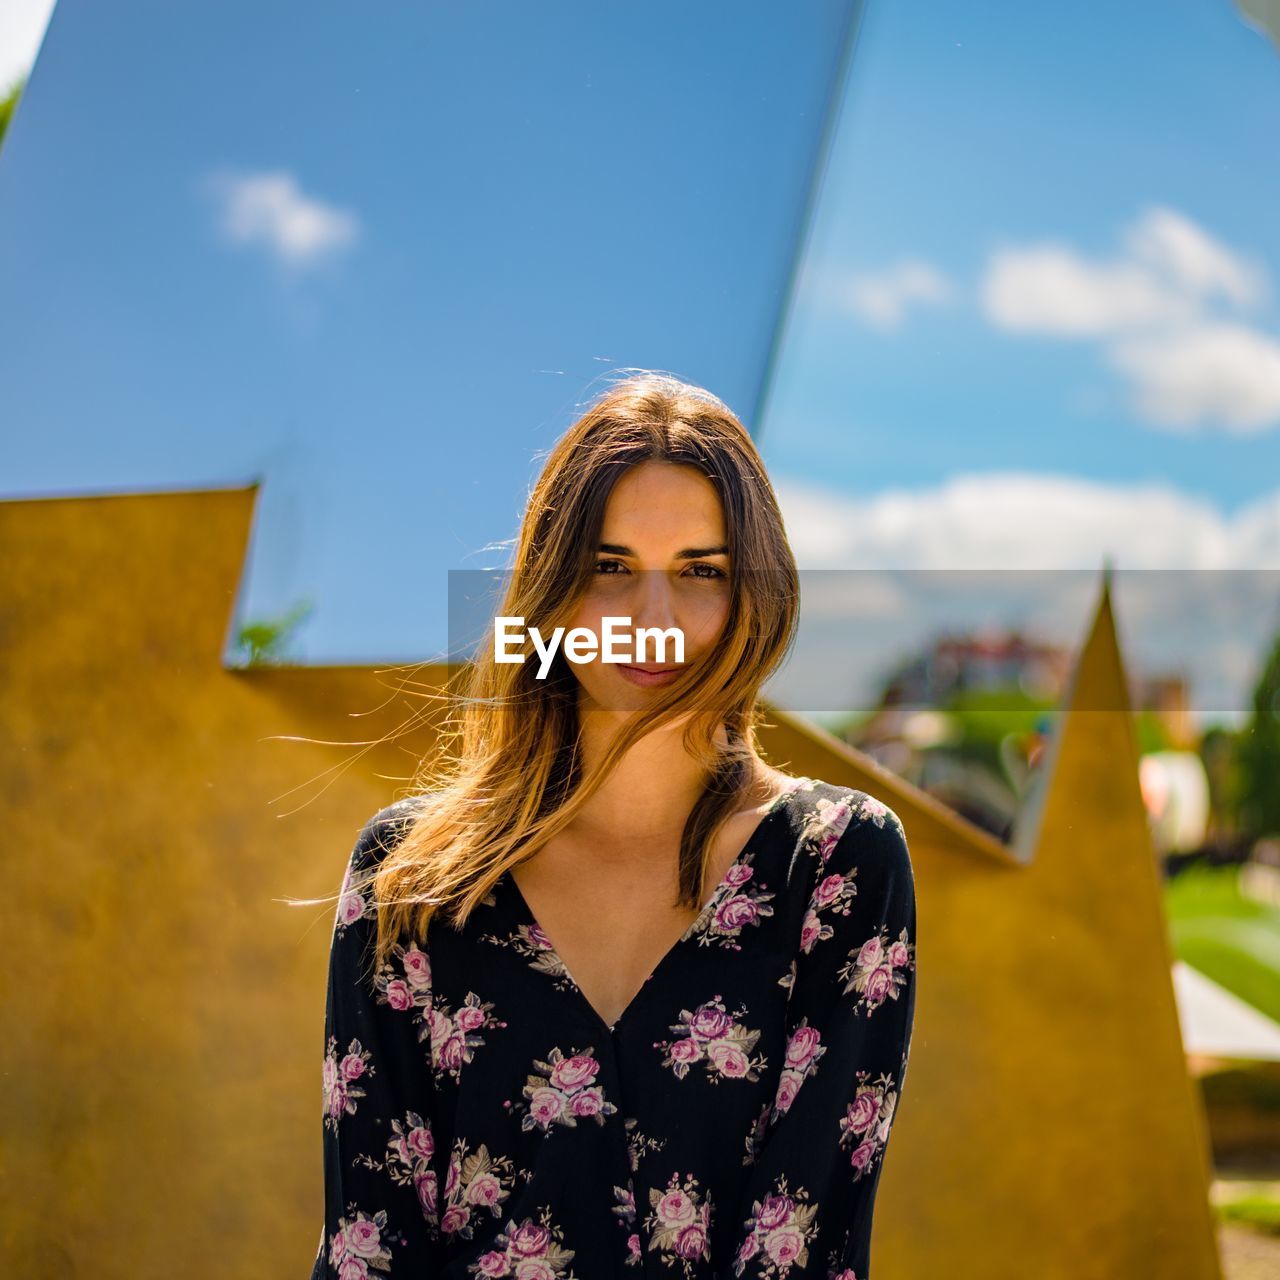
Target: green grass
x=1226, y=936
x=1258, y=1211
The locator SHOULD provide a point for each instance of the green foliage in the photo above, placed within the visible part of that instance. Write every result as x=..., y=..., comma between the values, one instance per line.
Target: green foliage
x=1152, y=733
x=1262, y=1212
x=984, y=719
x=265, y=642
x=1259, y=754
x=1226, y=935
x=1220, y=752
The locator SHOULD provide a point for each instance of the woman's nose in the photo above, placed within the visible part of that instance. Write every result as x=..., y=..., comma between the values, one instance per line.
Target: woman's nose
x=655, y=601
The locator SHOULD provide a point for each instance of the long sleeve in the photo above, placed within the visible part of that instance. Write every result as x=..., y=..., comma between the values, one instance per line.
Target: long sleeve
x=807, y=1209
x=380, y=1170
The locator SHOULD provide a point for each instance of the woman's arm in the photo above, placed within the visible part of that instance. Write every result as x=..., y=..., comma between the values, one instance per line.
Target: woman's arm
x=380, y=1180
x=811, y=1190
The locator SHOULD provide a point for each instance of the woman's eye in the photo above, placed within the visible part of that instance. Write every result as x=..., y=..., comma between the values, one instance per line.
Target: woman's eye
x=612, y=568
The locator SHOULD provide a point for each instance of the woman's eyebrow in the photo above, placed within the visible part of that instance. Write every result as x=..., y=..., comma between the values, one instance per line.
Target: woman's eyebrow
x=689, y=553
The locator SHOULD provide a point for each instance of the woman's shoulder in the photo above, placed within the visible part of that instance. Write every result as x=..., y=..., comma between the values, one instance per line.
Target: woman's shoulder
x=382, y=831
x=378, y=835
x=838, y=823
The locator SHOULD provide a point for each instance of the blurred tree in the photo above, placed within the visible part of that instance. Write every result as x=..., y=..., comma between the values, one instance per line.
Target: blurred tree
x=1260, y=754
x=8, y=103
x=1220, y=751
x=265, y=642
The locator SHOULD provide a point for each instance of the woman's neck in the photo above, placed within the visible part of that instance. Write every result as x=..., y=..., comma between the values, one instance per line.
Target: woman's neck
x=650, y=792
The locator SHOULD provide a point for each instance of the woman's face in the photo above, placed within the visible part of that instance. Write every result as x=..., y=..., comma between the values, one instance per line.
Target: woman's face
x=662, y=562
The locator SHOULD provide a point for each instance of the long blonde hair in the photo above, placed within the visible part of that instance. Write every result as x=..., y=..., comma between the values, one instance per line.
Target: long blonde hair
x=507, y=776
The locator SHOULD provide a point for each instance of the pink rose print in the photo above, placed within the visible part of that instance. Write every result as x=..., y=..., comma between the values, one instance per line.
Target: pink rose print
x=833, y=895
x=810, y=932
x=408, y=1162
x=484, y=1189
x=404, y=983
x=711, y=1036
x=587, y=1102
x=357, y=1246
x=710, y=1021
x=778, y=1232
x=788, y=1086
x=804, y=1044
x=454, y=1219
x=735, y=913
x=624, y=1211
x=828, y=890
x=775, y=1212
x=338, y=1080
x=878, y=812
x=879, y=985
x=530, y=1240
x=825, y=824
x=572, y=1073
x=427, y=1188
x=676, y=1207
x=470, y=1018
x=475, y=1182
x=417, y=967
x=784, y=1246
x=864, y=1128
x=863, y=1111
x=420, y=1142
x=878, y=970
x=728, y=1059
x=351, y=907
x=685, y=1051
x=364, y=1238
x=526, y=1249
x=399, y=995
x=738, y=904
x=679, y=1224
x=565, y=1092
x=804, y=1050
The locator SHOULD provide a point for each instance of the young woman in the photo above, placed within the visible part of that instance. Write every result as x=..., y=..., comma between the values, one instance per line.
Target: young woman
x=608, y=995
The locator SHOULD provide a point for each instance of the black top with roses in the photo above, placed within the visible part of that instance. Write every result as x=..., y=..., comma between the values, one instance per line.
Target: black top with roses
x=481, y=1120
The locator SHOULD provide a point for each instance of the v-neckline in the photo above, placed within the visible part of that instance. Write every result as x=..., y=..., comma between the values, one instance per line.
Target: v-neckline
x=776, y=806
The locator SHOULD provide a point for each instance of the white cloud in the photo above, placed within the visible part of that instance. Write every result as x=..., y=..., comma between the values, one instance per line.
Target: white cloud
x=882, y=299
x=23, y=24
x=1017, y=520
x=1186, y=367
x=921, y=563
x=1224, y=373
x=1174, y=247
x=1050, y=289
x=269, y=209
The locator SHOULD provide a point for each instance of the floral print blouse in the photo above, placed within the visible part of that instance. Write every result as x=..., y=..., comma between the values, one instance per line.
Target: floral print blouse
x=481, y=1120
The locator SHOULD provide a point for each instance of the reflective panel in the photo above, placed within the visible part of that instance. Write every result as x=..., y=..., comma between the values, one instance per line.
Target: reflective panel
x=375, y=260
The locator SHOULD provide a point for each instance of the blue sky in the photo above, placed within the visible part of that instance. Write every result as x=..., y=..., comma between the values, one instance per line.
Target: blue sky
x=1069, y=186
x=1036, y=320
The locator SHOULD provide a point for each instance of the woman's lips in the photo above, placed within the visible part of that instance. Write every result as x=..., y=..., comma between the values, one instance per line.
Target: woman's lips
x=647, y=679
